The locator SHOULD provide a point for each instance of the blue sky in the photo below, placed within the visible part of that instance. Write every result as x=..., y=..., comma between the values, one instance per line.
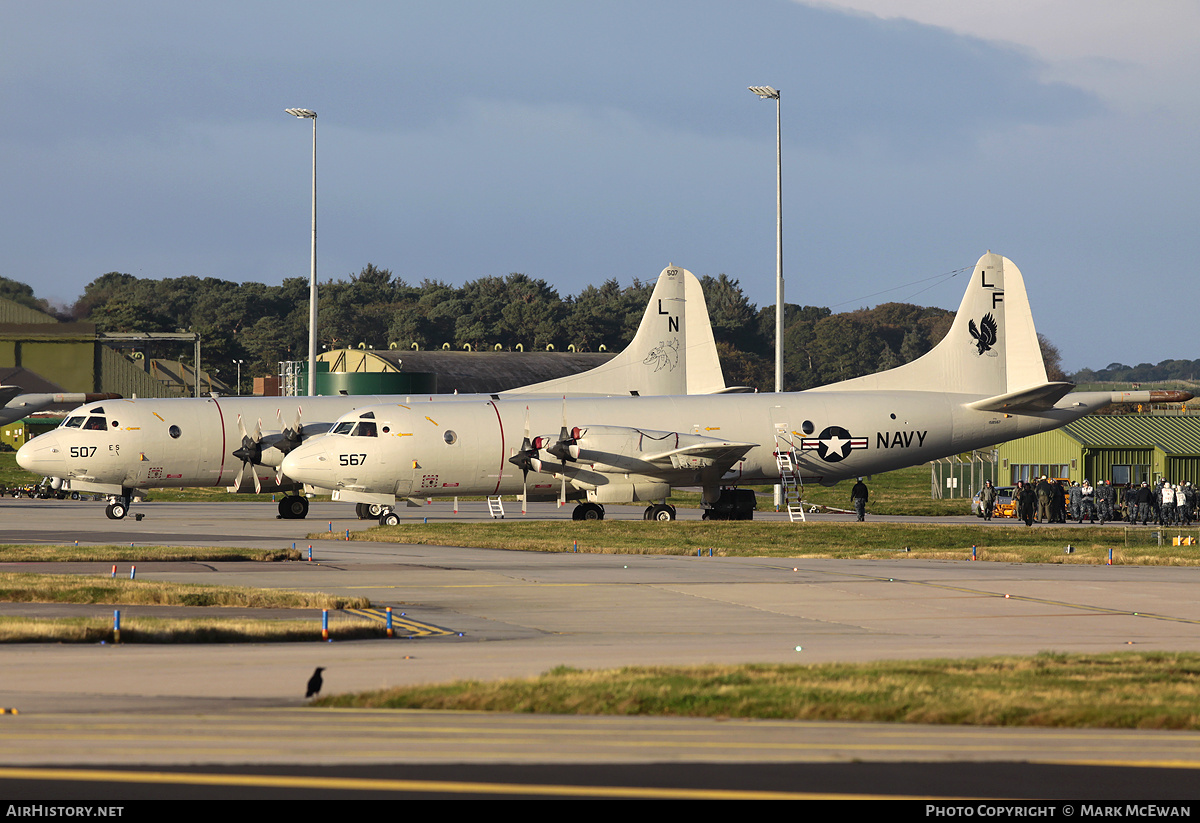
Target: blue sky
x=576, y=142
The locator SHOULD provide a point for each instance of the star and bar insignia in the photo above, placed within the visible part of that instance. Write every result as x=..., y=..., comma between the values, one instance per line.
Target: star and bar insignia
x=833, y=444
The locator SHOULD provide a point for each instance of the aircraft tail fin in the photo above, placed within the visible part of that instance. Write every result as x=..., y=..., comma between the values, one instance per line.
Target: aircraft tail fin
x=704, y=375
x=672, y=353
x=991, y=349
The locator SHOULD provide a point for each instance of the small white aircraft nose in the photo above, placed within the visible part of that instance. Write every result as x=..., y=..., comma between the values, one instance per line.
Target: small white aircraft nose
x=41, y=455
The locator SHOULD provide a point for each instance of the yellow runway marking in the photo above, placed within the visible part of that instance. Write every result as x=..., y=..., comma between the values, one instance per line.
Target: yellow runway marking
x=416, y=627
x=452, y=786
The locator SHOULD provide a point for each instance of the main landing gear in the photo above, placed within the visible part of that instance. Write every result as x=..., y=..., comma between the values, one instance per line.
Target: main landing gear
x=293, y=507
x=588, y=511
x=369, y=511
x=660, y=511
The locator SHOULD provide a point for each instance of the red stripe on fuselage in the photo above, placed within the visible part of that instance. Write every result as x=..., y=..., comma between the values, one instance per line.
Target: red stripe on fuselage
x=500, y=476
x=221, y=417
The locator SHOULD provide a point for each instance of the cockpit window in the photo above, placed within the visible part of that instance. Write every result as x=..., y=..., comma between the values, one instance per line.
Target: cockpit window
x=95, y=424
x=365, y=428
x=343, y=427
x=73, y=422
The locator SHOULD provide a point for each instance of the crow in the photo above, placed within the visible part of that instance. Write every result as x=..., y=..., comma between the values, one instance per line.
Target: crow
x=315, y=682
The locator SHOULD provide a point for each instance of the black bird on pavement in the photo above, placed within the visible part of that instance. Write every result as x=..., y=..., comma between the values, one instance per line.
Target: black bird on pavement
x=315, y=682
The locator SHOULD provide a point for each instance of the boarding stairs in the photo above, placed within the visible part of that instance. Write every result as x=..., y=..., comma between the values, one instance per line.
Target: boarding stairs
x=790, y=481
x=495, y=507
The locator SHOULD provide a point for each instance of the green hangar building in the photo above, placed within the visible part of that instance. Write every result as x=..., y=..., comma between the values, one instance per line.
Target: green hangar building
x=1124, y=448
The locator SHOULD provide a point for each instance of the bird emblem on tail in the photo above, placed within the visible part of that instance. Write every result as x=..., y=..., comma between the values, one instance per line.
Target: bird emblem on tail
x=985, y=333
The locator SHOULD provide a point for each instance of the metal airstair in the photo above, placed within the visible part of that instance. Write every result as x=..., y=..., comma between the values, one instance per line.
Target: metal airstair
x=495, y=507
x=790, y=481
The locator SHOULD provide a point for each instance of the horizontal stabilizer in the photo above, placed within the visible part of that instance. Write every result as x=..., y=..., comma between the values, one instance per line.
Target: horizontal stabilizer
x=1037, y=399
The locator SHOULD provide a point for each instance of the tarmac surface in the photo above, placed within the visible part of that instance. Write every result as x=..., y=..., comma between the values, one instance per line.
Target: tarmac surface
x=475, y=613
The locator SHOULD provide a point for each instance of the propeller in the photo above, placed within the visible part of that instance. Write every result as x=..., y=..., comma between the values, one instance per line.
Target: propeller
x=561, y=449
x=293, y=435
x=249, y=453
x=290, y=437
x=524, y=460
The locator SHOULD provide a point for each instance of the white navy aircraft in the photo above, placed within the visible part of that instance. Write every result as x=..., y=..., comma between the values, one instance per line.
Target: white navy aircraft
x=120, y=447
x=983, y=384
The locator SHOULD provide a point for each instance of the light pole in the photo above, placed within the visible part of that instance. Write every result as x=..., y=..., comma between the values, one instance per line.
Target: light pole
x=768, y=93
x=312, y=281
x=239, y=363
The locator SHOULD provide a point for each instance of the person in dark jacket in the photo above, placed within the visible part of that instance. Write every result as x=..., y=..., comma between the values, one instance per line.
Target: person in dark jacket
x=1142, y=497
x=1025, y=500
x=859, y=495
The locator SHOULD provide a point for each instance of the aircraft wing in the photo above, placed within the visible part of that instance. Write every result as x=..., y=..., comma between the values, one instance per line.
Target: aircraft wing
x=722, y=455
x=620, y=449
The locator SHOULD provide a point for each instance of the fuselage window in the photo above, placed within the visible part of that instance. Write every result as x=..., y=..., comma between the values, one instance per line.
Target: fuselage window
x=95, y=424
x=450, y=437
x=174, y=432
x=365, y=428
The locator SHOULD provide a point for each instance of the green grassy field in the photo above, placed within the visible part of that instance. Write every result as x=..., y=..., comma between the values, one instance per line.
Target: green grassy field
x=19, y=587
x=1042, y=544
x=1145, y=691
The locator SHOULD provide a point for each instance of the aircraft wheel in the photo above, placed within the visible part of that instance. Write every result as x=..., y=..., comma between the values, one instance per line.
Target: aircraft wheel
x=588, y=511
x=663, y=513
x=389, y=519
x=360, y=511
x=648, y=514
x=116, y=511
x=293, y=507
x=375, y=510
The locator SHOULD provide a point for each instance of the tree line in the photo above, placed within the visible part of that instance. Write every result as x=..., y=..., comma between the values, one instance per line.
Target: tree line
x=263, y=325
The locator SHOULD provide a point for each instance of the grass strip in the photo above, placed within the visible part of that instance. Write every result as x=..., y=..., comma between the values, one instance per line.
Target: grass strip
x=1041, y=544
x=43, y=553
x=82, y=589
x=1124, y=690
x=163, y=630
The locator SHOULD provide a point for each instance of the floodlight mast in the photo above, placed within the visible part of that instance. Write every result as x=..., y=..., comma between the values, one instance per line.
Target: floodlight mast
x=768, y=93
x=309, y=114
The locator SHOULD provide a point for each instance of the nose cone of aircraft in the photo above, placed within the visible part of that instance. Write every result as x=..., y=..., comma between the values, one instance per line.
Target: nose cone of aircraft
x=310, y=463
x=42, y=455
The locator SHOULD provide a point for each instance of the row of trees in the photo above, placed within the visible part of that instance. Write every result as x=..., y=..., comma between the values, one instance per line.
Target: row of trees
x=1166, y=371
x=263, y=325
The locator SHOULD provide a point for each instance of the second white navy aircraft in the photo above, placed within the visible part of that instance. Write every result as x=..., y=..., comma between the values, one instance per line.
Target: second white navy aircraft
x=122, y=446
x=983, y=384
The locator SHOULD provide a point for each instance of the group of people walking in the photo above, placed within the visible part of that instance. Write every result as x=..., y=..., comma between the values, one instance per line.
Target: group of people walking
x=1049, y=501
